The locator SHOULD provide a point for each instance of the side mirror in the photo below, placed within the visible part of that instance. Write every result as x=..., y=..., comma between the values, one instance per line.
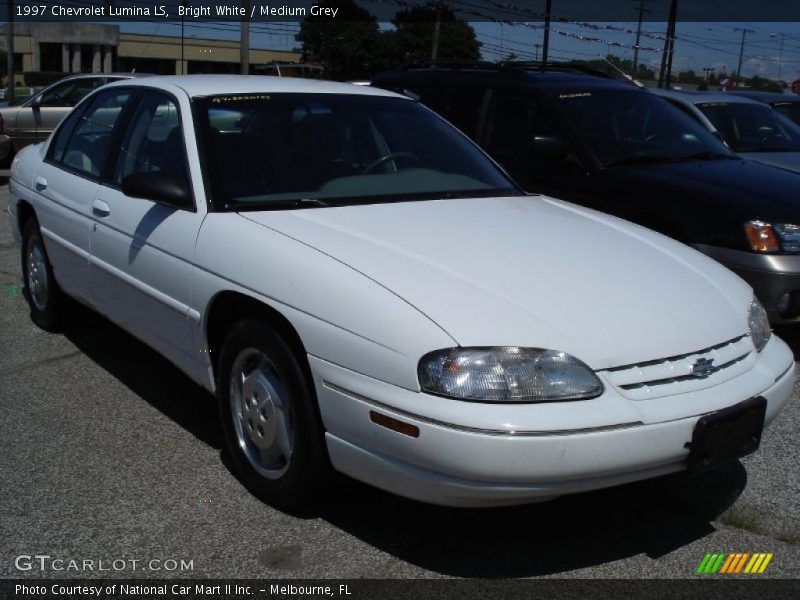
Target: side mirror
x=160, y=186
x=36, y=102
x=548, y=147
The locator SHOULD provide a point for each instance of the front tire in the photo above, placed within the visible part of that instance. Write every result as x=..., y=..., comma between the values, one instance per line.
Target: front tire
x=45, y=298
x=269, y=417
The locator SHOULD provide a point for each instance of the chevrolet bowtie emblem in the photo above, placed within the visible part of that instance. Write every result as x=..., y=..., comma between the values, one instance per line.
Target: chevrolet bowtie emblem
x=703, y=367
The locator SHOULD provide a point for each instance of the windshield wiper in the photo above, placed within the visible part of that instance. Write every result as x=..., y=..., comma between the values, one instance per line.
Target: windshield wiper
x=707, y=155
x=278, y=204
x=651, y=158
x=639, y=160
x=767, y=149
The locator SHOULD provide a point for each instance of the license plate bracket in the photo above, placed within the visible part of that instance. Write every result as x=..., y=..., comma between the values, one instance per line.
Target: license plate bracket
x=726, y=435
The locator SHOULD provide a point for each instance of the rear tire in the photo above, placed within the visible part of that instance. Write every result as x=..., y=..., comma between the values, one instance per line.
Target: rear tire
x=269, y=417
x=45, y=298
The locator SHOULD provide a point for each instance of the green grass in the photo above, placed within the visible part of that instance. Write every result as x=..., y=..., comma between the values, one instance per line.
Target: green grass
x=742, y=518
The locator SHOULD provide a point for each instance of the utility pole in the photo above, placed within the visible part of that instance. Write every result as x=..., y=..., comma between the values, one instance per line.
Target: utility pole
x=669, y=47
x=10, y=50
x=780, y=57
x=244, y=44
x=436, y=28
x=546, y=41
x=183, y=61
x=642, y=12
x=536, y=52
x=741, y=53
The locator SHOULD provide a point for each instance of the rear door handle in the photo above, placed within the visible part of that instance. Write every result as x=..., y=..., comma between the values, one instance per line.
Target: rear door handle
x=100, y=208
x=41, y=183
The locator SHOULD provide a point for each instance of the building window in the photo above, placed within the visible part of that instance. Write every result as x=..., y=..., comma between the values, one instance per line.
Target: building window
x=87, y=57
x=50, y=57
x=153, y=66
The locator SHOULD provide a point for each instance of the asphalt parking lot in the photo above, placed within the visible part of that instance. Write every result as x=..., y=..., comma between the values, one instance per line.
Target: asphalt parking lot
x=108, y=452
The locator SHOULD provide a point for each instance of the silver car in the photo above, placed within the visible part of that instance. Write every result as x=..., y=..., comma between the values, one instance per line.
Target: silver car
x=34, y=118
x=750, y=128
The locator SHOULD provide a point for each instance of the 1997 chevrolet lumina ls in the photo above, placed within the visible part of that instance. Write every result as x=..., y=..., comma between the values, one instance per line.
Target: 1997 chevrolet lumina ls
x=364, y=289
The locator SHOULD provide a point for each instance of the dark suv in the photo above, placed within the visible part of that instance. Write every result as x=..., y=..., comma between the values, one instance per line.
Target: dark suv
x=612, y=146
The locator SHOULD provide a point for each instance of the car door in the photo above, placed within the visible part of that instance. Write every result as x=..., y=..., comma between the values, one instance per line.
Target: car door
x=142, y=249
x=513, y=123
x=67, y=182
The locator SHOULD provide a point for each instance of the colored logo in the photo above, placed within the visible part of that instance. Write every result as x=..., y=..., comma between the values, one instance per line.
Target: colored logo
x=703, y=367
x=734, y=563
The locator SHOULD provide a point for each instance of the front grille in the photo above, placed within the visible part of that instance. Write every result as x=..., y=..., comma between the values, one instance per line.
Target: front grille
x=673, y=375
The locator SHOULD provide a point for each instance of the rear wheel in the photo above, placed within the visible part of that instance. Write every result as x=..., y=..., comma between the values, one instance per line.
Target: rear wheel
x=269, y=416
x=44, y=297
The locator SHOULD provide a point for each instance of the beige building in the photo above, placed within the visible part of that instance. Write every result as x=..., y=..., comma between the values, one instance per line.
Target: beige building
x=90, y=47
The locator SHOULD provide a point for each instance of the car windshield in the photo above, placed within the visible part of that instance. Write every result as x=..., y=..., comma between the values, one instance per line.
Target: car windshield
x=790, y=110
x=752, y=127
x=628, y=127
x=305, y=150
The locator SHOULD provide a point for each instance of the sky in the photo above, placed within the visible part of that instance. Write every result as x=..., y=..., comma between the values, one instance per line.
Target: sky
x=698, y=45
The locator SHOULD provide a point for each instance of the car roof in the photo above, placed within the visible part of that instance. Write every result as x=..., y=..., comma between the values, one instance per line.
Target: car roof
x=554, y=80
x=768, y=97
x=212, y=85
x=85, y=75
x=704, y=97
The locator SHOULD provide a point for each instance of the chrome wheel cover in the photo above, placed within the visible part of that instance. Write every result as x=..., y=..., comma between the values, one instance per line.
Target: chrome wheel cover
x=37, y=274
x=263, y=418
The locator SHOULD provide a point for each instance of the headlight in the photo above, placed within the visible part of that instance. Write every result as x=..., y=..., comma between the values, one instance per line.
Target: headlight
x=759, y=325
x=766, y=237
x=507, y=374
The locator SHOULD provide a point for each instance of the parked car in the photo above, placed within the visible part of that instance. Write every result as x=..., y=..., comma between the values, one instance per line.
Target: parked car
x=363, y=289
x=786, y=104
x=620, y=149
x=33, y=119
x=750, y=128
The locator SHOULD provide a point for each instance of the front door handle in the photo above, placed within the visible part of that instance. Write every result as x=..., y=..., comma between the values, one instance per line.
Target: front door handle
x=100, y=208
x=41, y=183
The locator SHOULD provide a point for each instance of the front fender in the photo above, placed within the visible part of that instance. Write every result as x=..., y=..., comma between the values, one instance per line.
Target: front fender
x=341, y=315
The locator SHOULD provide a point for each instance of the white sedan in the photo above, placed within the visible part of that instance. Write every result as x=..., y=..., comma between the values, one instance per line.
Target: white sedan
x=365, y=291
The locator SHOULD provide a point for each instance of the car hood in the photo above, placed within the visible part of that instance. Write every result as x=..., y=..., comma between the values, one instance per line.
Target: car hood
x=723, y=190
x=784, y=160
x=532, y=271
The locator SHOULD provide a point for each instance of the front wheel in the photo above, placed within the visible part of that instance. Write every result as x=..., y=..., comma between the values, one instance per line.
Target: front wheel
x=44, y=297
x=269, y=416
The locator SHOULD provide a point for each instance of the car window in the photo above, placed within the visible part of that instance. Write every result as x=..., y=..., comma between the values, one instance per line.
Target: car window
x=264, y=149
x=461, y=105
x=62, y=135
x=635, y=126
x=752, y=127
x=153, y=140
x=69, y=93
x=790, y=110
x=86, y=147
x=515, y=120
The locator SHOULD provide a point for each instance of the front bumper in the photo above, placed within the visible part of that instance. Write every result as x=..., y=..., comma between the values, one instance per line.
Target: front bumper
x=472, y=454
x=770, y=275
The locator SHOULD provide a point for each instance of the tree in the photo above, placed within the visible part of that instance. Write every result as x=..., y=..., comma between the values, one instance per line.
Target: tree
x=346, y=46
x=763, y=84
x=412, y=41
